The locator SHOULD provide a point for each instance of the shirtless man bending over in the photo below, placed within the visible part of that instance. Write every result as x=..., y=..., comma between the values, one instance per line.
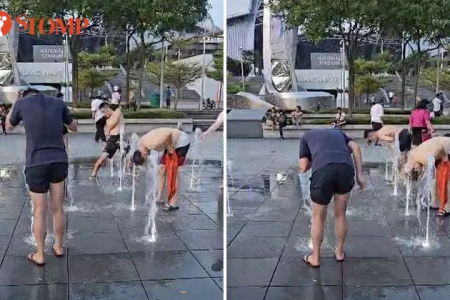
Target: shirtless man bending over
x=387, y=134
x=169, y=140
x=112, y=132
x=439, y=148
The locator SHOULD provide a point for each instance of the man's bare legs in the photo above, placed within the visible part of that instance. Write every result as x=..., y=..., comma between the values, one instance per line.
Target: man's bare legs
x=340, y=208
x=39, y=225
x=318, y=220
x=59, y=218
x=162, y=182
x=99, y=163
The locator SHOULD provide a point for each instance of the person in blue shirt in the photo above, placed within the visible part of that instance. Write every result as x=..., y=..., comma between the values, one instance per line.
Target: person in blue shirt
x=332, y=176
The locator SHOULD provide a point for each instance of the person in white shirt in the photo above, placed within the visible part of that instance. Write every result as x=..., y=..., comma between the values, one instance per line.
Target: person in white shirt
x=115, y=97
x=376, y=118
x=99, y=119
x=437, y=106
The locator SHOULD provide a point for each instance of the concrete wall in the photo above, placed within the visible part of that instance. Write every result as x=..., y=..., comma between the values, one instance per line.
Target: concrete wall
x=353, y=131
x=132, y=125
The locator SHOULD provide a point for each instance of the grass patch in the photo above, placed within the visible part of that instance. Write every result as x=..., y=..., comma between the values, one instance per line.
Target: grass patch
x=156, y=113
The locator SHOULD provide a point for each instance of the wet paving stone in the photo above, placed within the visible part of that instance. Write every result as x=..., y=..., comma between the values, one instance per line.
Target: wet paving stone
x=107, y=291
x=183, y=289
x=376, y=271
x=248, y=293
x=433, y=292
x=17, y=270
x=41, y=291
x=255, y=272
x=243, y=247
x=429, y=270
x=295, y=272
x=362, y=292
x=309, y=292
x=380, y=240
x=105, y=249
x=167, y=265
x=202, y=239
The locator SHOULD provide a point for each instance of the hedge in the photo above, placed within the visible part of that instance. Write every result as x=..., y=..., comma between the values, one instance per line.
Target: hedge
x=363, y=111
x=389, y=120
x=156, y=113
x=87, y=104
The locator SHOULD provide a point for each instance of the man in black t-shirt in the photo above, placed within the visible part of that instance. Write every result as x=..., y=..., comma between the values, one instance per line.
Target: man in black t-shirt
x=328, y=153
x=46, y=162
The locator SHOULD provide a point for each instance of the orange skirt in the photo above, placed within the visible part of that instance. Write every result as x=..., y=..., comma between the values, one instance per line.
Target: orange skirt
x=171, y=162
x=442, y=177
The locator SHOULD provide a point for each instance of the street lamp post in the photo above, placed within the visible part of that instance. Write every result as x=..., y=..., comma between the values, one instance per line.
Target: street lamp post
x=204, y=60
x=438, y=70
x=203, y=69
x=161, y=84
x=343, y=74
x=242, y=69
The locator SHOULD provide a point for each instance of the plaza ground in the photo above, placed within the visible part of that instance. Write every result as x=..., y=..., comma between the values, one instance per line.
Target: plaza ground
x=268, y=234
x=106, y=257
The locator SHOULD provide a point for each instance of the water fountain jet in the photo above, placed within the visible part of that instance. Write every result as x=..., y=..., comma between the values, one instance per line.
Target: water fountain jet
x=122, y=151
x=195, y=151
x=151, y=196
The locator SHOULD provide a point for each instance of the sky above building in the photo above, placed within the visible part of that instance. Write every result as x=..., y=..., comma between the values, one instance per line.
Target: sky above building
x=216, y=12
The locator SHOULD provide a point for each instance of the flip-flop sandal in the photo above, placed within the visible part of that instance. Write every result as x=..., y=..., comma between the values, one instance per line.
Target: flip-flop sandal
x=442, y=213
x=306, y=260
x=30, y=258
x=56, y=254
x=169, y=207
x=340, y=260
x=92, y=177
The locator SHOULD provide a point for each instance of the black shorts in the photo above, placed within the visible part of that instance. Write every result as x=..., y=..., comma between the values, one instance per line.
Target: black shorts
x=376, y=126
x=112, y=145
x=417, y=135
x=181, y=153
x=65, y=131
x=437, y=113
x=405, y=139
x=329, y=180
x=39, y=178
x=114, y=106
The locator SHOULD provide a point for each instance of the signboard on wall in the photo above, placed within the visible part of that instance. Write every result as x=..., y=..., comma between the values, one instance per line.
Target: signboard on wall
x=329, y=61
x=44, y=72
x=320, y=79
x=48, y=53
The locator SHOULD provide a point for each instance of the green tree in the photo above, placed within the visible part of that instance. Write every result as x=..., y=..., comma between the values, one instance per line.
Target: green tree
x=417, y=21
x=352, y=20
x=367, y=84
x=217, y=73
x=87, y=9
x=92, y=78
x=178, y=74
x=158, y=18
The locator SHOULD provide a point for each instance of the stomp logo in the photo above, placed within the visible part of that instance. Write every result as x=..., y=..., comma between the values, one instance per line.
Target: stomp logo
x=45, y=26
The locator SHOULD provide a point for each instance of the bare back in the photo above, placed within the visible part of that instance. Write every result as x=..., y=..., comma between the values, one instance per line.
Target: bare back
x=438, y=147
x=160, y=139
x=389, y=130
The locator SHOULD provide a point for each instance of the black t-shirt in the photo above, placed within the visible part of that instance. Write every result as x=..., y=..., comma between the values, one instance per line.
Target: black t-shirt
x=324, y=147
x=43, y=118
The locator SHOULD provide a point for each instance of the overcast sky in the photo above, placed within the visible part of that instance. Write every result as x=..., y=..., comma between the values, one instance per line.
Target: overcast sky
x=216, y=12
